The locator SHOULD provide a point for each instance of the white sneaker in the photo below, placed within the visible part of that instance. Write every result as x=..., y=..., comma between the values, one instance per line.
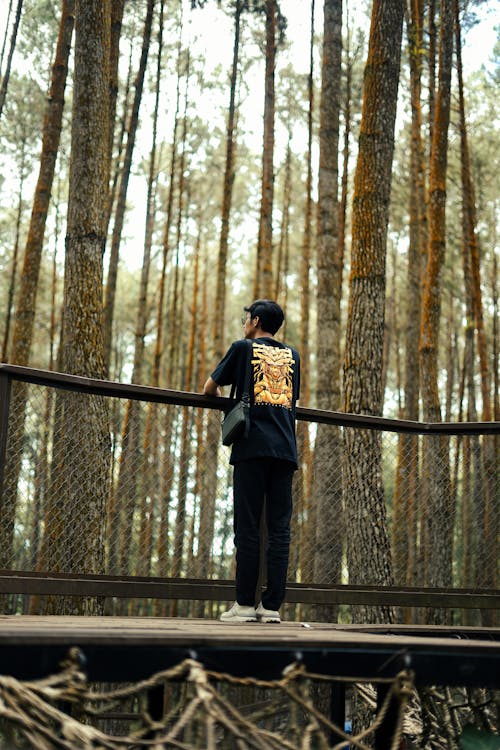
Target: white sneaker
x=239, y=613
x=267, y=615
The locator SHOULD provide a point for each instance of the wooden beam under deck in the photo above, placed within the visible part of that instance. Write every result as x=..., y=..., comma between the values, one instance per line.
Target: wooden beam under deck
x=126, y=649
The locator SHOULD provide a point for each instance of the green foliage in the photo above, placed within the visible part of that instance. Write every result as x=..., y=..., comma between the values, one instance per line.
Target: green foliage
x=20, y=126
x=37, y=37
x=475, y=739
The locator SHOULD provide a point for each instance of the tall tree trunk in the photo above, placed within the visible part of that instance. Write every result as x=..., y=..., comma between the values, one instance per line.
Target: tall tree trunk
x=188, y=421
x=81, y=472
x=391, y=323
x=6, y=75
x=345, y=169
x=178, y=550
x=368, y=551
x=327, y=494
x=5, y=34
x=175, y=344
x=152, y=411
x=263, y=280
x=495, y=342
x=486, y=562
x=205, y=562
x=303, y=553
x=175, y=321
x=406, y=490
x=122, y=192
x=282, y=260
x=227, y=195
x=307, y=236
x=147, y=497
x=438, y=513
x=117, y=8
x=167, y=480
x=116, y=158
x=42, y=495
x=15, y=252
x=26, y=299
x=126, y=494
x=25, y=307
x=431, y=64
x=158, y=350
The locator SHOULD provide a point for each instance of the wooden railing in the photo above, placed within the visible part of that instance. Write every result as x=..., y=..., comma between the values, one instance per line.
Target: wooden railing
x=26, y=582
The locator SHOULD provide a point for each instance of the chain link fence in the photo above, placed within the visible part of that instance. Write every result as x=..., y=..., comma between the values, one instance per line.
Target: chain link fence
x=152, y=496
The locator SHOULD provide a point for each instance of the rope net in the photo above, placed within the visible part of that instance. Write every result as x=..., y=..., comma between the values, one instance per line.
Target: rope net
x=201, y=709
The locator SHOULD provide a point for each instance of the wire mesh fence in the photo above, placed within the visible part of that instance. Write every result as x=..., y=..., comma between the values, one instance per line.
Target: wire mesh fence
x=96, y=484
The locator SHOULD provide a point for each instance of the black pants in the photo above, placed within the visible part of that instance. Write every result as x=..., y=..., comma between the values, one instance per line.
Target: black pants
x=254, y=480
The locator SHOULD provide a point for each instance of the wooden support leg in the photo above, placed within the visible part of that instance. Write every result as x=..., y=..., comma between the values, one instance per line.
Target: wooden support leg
x=155, y=705
x=337, y=709
x=385, y=733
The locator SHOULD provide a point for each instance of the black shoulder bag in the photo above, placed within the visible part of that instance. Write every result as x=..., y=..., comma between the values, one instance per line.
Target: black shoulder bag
x=236, y=422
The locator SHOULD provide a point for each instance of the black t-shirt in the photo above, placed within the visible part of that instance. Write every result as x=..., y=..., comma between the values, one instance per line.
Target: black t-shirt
x=274, y=391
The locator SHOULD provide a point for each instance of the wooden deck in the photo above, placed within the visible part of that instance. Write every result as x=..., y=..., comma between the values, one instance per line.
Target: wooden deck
x=128, y=648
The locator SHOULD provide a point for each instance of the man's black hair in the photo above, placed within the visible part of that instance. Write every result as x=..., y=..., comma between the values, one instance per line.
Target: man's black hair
x=270, y=314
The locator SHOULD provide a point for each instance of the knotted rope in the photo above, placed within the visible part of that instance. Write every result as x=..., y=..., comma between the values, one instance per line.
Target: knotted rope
x=61, y=711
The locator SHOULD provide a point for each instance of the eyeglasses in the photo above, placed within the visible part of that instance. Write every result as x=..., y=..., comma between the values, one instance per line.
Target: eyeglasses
x=244, y=319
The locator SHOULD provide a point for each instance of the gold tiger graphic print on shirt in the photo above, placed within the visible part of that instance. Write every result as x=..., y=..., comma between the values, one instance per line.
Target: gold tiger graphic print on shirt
x=272, y=373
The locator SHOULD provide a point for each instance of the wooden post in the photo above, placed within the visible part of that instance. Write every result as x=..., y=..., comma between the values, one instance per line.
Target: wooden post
x=384, y=735
x=155, y=706
x=337, y=709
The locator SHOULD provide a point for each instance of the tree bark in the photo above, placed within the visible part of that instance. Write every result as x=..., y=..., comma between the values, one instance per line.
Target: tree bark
x=486, y=565
x=406, y=489
x=5, y=34
x=368, y=551
x=6, y=75
x=327, y=494
x=26, y=301
x=439, y=516
x=176, y=311
x=227, y=194
x=283, y=257
x=82, y=450
x=117, y=8
x=263, y=280
x=15, y=252
x=188, y=423
x=122, y=192
x=130, y=458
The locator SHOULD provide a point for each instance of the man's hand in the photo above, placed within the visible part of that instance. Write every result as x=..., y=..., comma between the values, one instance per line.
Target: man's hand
x=211, y=388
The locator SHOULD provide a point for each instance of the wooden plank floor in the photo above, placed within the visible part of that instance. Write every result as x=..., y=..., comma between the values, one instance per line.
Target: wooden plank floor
x=174, y=631
x=131, y=648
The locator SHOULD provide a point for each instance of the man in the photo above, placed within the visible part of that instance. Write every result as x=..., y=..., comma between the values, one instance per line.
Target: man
x=264, y=460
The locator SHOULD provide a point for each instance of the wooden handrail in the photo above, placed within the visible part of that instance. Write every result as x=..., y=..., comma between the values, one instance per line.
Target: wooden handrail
x=184, y=398
x=137, y=587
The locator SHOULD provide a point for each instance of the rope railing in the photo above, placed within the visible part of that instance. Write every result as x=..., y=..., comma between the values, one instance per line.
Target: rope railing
x=201, y=708
x=190, y=706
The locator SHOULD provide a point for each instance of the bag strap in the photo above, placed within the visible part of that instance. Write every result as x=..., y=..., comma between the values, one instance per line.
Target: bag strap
x=245, y=396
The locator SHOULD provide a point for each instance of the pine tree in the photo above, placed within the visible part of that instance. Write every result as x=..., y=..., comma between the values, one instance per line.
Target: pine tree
x=368, y=551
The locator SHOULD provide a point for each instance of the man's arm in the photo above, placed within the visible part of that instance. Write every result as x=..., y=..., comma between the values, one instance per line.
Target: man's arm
x=211, y=388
